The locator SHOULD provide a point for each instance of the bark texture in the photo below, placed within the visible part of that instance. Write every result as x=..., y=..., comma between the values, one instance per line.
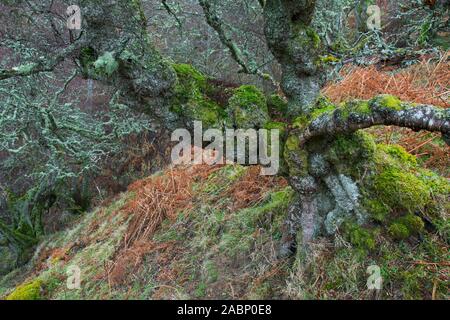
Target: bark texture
x=296, y=46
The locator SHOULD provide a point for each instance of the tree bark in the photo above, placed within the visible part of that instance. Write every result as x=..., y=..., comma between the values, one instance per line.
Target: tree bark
x=297, y=47
x=342, y=120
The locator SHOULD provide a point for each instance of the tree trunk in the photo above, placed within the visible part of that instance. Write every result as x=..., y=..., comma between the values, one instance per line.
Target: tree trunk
x=296, y=46
x=326, y=197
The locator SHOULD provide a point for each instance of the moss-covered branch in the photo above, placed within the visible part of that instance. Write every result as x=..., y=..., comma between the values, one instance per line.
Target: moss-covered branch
x=382, y=110
x=43, y=65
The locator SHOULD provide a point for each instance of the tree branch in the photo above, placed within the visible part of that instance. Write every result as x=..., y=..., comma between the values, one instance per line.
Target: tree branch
x=214, y=22
x=43, y=65
x=383, y=110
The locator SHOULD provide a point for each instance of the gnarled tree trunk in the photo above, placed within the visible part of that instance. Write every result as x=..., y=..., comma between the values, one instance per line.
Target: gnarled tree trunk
x=326, y=197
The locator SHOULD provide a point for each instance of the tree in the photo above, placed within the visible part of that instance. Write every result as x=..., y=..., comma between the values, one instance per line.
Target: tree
x=115, y=48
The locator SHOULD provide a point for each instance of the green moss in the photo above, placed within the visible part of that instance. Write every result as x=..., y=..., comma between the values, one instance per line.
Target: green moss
x=306, y=39
x=187, y=73
x=191, y=101
x=296, y=158
x=247, y=108
x=400, y=154
x=273, y=125
x=248, y=94
x=363, y=239
x=313, y=37
x=363, y=107
x=190, y=82
x=318, y=112
x=323, y=106
x=358, y=107
x=28, y=291
x=439, y=186
x=300, y=122
x=404, y=227
x=357, y=147
x=209, y=113
x=388, y=101
x=292, y=143
x=328, y=59
x=399, y=231
x=377, y=210
x=401, y=190
x=413, y=223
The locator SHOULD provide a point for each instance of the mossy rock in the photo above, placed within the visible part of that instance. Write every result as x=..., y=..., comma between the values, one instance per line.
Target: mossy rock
x=377, y=210
x=27, y=291
x=395, y=190
x=399, y=154
x=106, y=64
x=398, y=231
x=188, y=76
x=357, y=149
x=275, y=125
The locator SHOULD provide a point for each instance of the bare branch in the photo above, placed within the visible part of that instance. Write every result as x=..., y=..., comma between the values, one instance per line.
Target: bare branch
x=214, y=22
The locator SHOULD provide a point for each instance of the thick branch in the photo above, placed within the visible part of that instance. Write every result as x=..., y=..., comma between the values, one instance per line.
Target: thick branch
x=383, y=110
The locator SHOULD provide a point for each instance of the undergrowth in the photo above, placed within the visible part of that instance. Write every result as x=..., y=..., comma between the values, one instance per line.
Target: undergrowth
x=213, y=232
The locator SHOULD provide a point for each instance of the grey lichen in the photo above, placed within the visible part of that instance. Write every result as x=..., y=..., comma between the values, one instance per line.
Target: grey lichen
x=346, y=195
